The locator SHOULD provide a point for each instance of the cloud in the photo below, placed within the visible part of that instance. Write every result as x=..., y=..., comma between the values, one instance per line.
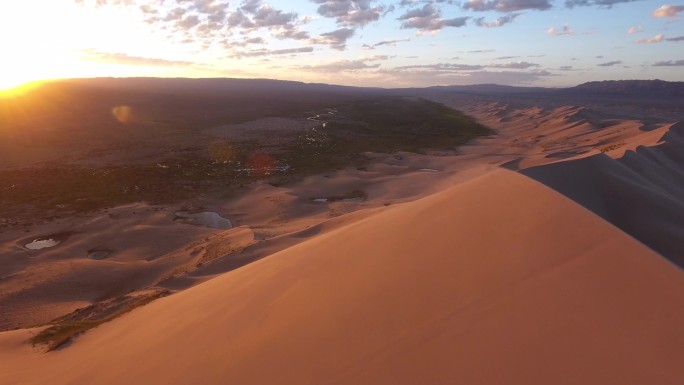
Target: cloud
x=266, y=52
x=388, y=42
x=459, y=74
x=610, y=63
x=123, y=58
x=428, y=19
x=507, y=77
x=506, y=57
x=668, y=11
x=676, y=38
x=442, y=67
x=514, y=65
x=633, y=30
x=146, y=8
x=653, y=40
x=565, y=68
x=506, y=5
x=598, y=3
x=669, y=63
x=336, y=39
x=565, y=30
x=267, y=16
x=254, y=14
x=377, y=57
x=209, y=22
x=350, y=12
x=188, y=22
x=341, y=66
x=450, y=67
x=496, y=23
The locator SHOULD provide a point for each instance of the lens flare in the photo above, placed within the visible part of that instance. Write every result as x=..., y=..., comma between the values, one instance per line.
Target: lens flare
x=124, y=114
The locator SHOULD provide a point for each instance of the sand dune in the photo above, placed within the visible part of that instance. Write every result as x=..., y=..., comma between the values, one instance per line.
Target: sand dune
x=442, y=269
x=641, y=192
x=517, y=288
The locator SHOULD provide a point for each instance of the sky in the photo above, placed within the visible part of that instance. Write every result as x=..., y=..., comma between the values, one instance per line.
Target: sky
x=384, y=43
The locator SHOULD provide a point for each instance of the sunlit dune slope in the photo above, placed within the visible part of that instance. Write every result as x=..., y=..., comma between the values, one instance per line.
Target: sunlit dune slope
x=641, y=192
x=498, y=280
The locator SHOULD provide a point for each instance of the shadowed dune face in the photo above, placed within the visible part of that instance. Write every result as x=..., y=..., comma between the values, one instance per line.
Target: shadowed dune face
x=621, y=159
x=641, y=192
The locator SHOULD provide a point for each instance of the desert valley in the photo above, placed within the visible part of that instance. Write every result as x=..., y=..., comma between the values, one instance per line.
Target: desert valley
x=180, y=231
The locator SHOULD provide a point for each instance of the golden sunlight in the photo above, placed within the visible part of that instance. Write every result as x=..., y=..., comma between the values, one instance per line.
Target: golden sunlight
x=26, y=50
x=51, y=51
x=14, y=75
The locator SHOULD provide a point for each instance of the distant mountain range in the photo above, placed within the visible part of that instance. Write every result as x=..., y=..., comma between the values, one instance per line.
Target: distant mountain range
x=636, y=88
x=267, y=89
x=609, y=88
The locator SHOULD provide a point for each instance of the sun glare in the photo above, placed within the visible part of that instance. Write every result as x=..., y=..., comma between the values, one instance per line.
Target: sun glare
x=32, y=54
x=11, y=83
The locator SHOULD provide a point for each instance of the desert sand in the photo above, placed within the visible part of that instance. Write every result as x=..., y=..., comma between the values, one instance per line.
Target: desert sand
x=452, y=269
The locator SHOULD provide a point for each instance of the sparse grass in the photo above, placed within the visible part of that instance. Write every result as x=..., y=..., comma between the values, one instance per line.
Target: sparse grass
x=64, y=329
x=58, y=335
x=354, y=194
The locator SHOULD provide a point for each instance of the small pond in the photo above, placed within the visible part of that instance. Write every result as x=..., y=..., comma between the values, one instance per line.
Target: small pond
x=42, y=243
x=98, y=254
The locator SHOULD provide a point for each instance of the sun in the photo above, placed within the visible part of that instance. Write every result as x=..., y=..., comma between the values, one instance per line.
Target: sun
x=11, y=80
x=22, y=67
x=36, y=50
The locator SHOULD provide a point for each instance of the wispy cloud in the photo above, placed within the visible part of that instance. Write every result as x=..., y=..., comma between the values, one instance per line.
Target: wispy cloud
x=335, y=39
x=506, y=5
x=376, y=57
x=610, y=63
x=340, y=66
x=596, y=3
x=563, y=31
x=514, y=65
x=461, y=73
x=633, y=30
x=652, y=40
x=442, y=67
x=123, y=58
x=668, y=11
x=266, y=52
x=669, y=63
x=498, y=22
x=391, y=42
x=676, y=38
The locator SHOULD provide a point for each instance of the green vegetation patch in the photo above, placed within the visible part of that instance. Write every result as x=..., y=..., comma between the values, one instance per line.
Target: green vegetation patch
x=383, y=124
